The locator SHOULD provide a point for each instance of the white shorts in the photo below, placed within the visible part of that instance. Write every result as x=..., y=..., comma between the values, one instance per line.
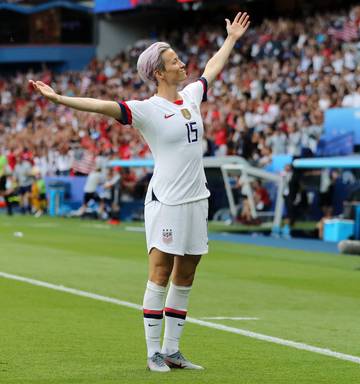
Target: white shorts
x=177, y=229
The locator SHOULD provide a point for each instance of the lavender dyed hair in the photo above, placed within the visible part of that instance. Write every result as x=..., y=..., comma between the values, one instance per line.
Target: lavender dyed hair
x=150, y=60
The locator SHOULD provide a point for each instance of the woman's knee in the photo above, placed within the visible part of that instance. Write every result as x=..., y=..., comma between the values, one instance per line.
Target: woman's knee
x=160, y=267
x=183, y=279
x=184, y=270
x=160, y=275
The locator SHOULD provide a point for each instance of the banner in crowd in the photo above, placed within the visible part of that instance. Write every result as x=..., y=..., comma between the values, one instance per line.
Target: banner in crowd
x=340, y=121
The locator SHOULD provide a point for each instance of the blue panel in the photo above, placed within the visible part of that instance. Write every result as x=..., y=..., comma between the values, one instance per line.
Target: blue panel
x=43, y=7
x=74, y=57
x=339, y=121
x=342, y=145
x=308, y=245
x=132, y=163
x=278, y=163
x=348, y=162
x=75, y=184
x=111, y=5
x=336, y=230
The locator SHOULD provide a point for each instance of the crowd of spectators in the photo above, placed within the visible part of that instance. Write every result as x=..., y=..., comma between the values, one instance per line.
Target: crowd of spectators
x=270, y=98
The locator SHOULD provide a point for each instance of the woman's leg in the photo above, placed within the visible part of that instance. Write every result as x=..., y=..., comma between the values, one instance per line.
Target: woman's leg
x=180, y=236
x=160, y=267
x=177, y=301
x=184, y=269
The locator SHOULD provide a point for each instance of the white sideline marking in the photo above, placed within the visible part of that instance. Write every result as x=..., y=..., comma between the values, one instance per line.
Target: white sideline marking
x=243, y=332
x=43, y=225
x=34, y=225
x=229, y=318
x=135, y=229
x=96, y=226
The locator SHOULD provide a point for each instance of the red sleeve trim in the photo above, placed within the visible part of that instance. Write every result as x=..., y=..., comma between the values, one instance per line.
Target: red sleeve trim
x=126, y=115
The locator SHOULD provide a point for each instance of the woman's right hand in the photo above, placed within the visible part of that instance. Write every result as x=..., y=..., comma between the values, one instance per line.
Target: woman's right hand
x=45, y=90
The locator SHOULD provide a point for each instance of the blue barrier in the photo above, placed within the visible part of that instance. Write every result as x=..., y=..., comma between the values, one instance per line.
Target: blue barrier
x=345, y=162
x=73, y=185
x=336, y=230
x=66, y=193
x=278, y=163
x=132, y=163
x=339, y=121
x=74, y=57
x=341, y=145
x=56, y=201
x=357, y=223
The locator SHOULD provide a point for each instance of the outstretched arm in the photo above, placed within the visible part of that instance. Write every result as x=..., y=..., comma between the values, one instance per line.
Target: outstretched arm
x=108, y=108
x=234, y=30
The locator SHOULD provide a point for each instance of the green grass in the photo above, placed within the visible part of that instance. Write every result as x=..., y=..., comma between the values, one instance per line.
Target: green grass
x=219, y=226
x=49, y=337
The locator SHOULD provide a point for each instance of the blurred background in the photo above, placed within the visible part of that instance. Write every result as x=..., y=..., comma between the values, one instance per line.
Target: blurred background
x=282, y=120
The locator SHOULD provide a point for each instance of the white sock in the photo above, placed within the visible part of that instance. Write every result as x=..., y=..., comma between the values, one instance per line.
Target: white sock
x=175, y=314
x=153, y=306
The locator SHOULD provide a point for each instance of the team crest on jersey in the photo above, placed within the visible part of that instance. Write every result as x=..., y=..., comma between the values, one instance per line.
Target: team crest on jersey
x=186, y=113
x=167, y=236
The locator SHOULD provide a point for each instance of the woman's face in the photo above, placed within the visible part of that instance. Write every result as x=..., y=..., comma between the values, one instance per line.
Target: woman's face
x=174, y=71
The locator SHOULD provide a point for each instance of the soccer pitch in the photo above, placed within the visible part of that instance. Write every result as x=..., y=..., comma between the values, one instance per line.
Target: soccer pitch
x=51, y=336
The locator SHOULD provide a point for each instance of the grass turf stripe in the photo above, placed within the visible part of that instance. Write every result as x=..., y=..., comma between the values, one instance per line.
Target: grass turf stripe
x=243, y=332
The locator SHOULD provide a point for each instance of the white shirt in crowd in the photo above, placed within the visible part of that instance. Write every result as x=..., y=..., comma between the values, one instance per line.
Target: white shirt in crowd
x=294, y=143
x=6, y=97
x=22, y=172
x=64, y=161
x=317, y=62
x=351, y=101
x=277, y=142
x=93, y=180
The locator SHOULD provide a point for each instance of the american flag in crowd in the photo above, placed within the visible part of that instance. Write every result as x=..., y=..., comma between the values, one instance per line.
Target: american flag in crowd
x=349, y=31
x=85, y=163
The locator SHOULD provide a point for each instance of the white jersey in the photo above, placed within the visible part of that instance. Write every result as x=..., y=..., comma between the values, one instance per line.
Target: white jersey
x=173, y=131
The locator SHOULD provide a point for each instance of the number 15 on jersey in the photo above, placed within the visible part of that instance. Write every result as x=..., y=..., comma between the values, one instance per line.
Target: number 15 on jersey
x=192, y=132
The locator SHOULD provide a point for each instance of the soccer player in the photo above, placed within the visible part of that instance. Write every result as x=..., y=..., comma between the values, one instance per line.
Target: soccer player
x=176, y=205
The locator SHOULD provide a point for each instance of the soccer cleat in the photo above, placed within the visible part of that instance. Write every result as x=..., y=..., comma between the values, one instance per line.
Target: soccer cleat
x=177, y=360
x=156, y=363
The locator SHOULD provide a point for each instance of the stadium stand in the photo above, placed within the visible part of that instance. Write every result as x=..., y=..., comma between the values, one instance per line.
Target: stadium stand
x=266, y=104
x=270, y=101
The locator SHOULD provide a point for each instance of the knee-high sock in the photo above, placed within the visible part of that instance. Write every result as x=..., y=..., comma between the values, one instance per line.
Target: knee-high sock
x=175, y=314
x=153, y=306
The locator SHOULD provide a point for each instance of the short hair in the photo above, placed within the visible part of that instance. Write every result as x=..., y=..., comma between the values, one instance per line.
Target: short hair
x=150, y=60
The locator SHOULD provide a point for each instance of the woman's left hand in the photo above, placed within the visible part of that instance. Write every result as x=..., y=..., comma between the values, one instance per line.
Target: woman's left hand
x=239, y=26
